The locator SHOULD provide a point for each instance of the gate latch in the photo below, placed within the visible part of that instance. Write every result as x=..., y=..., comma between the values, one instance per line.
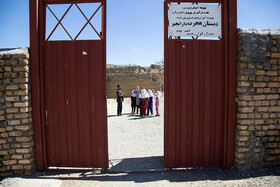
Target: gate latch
x=46, y=117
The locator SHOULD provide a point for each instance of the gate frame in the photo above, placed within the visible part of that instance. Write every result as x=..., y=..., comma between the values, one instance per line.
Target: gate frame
x=37, y=38
x=36, y=41
x=231, y=82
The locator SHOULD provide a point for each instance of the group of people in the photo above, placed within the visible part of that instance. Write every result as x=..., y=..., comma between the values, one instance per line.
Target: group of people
x=140, y=99
x=143, y=100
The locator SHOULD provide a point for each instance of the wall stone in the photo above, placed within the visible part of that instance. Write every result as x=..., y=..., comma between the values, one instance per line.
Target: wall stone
x=258, y=98
x=16, y=129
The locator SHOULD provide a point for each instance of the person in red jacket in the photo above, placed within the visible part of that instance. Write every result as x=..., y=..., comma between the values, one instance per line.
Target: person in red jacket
x=146, y=102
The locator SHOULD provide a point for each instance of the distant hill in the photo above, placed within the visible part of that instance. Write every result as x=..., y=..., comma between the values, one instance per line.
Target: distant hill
x=131, y=76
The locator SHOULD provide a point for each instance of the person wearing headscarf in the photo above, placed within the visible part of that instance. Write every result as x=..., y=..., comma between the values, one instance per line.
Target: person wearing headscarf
x=137, y=98
x=150, y=102
x=141, y=103
x=146, y=101
x=157, y=95
x=133, y=101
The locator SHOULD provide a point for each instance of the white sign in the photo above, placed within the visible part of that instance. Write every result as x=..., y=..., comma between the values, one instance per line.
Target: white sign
x=195, y=20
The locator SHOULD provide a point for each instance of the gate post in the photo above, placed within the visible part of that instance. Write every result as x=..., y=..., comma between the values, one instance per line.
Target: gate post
x=35, y=83
x=232, y=11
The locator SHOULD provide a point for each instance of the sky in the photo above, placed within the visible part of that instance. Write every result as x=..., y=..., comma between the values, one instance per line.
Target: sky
x=134, y=27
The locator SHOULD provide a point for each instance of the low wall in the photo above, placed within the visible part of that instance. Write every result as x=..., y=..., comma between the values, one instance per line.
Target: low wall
x=16, y=129
x=258, y=102
x=258, y=111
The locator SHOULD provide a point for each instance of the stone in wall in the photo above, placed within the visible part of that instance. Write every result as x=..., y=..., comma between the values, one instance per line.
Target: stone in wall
x=258, y=97
x=16, y=130
x=255, y=47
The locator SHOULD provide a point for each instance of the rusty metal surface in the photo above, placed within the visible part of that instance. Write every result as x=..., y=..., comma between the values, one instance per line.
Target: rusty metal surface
x=196, y=100
x=73, y=104
x=37, y=40
x=76, y=130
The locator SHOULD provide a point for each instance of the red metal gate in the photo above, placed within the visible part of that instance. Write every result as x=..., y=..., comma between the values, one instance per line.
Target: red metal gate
x=73, y=91
x=199, y=99
x=69, y=88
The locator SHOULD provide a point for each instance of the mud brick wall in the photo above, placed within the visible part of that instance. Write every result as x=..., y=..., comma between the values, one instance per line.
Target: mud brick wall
x=131, y=76
x=16, y=132
x=258, y=108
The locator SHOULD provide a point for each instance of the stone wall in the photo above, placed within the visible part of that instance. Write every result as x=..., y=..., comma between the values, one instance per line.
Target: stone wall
x=131, y=76
x=16, y=131
x=258, y=102
x=258, y=111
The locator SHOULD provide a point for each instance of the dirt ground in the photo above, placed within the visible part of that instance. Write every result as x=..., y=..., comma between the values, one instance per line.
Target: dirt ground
x=136, y=144
x=264, y=177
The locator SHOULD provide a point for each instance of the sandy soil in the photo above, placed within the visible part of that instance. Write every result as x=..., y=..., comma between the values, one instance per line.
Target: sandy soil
x=134, y=143
x=253, y=177
x=137, y=144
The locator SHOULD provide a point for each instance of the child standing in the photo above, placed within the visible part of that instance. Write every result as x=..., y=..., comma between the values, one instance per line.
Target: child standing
x=141, y=103
x=146, y=102
x=157, y=95
x=137, y=98
x=133, y=101
x=150, y=102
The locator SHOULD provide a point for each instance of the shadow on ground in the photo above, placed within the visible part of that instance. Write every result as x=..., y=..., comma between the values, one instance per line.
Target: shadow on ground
x=132, y=116
x=137, y=164
x=171, y=176
x=125, y=114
